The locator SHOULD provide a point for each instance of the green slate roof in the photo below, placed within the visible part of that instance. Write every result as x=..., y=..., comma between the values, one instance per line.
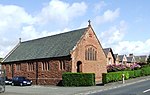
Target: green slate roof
x=47, y=47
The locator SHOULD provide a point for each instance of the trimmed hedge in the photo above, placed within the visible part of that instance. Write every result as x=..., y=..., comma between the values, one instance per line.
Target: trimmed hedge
x=131, y=74
x=78, y=79
x=117, y=76
x=114, y=76
x=145, y=71
x=137, y=73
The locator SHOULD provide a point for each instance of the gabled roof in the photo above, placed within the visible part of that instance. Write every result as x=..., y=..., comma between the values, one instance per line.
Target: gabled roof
x=47, y=47
x=121, y=57
x=106, y=51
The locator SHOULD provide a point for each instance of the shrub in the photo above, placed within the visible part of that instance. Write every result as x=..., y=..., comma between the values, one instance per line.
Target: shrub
x=131, y=74
x=117, y=76
x=137, y=73
x=119, y=67
x=114, y=76
x=78, y=79
x=135, y=67
x=147, y=65
x=145, y=71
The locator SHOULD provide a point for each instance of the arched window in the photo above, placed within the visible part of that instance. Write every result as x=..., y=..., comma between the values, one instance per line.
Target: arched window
x=45, y=66
x=90, y=53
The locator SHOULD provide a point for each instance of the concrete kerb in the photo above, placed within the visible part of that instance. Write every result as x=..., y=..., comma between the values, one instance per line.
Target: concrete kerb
x=117, y=85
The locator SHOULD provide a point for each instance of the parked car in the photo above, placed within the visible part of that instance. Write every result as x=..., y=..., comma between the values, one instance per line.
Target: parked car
x=8, y=81
x=20, y=80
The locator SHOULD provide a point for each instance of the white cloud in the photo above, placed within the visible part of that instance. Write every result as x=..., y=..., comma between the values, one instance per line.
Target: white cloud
x=114, y=34
x=15, y=22
x=135, y=47
x=12, y=18
x=98, y=6
x=113, y=37
x=61, y=12
x=108, y=16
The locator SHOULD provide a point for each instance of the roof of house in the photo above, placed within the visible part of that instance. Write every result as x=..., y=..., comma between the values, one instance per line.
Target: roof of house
x=107, y=50
x=141, y=58
x=129, y=59
x=120, y=57
x=47, y=47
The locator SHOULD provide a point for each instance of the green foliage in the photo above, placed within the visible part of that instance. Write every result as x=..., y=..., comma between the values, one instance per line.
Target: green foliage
x=117, y=76
x=131, y=74
x=145, y=71
x=137, y=73
x=114, y=76
x=145, y=66
x=78, y=79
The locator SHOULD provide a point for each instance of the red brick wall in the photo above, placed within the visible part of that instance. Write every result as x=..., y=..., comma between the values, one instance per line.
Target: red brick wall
x=51, y=77
x=89, y=66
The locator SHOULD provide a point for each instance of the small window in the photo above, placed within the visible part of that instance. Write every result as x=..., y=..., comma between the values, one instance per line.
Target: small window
x=30, y=66
x=45, y=66
x=18, y=67
x=10, y=68
x=62, y=65
x=109, y=60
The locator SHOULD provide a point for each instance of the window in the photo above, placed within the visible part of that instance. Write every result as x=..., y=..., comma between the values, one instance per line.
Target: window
x=45, y=66
x=109, y=60
x=62, y=65
x=30, y=66
x=10, y=67
x=90, y=53
x=18, y=67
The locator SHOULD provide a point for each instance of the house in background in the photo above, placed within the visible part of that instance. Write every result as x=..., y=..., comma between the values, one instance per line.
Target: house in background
x=44, y=60
x=141, y=59
x=131, y=60
x=109, y=55
x=122, y=59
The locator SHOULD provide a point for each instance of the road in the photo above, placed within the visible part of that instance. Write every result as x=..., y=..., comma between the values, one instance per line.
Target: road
x=142, y=88
x=138, y=86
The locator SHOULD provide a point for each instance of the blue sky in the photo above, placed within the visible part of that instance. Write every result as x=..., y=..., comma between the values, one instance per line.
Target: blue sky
x=122, y=25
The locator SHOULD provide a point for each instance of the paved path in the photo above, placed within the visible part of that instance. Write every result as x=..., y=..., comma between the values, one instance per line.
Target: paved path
x=56, y=90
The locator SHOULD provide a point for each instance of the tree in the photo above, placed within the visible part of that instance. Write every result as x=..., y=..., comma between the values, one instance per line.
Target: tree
x=148, y=60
